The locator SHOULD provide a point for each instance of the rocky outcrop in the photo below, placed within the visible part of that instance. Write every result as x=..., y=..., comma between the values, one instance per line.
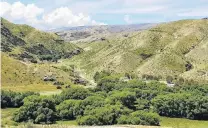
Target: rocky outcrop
x=49, y=78
x=72, y=53
x=188, y=66
x=25, y=56
x=80, y=81
x=58, y=83
x=9, y=40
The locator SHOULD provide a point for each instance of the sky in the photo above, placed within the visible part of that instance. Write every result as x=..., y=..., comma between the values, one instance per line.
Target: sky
x=51, y=14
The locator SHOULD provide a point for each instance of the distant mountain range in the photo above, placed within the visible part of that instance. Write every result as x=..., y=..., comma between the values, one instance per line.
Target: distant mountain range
x=112, y=28
x=90, y=33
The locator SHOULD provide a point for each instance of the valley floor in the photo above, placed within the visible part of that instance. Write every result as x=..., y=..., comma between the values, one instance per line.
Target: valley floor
x=165, y=123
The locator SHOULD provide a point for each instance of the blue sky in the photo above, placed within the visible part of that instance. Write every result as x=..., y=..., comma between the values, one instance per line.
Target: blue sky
x=50, y=14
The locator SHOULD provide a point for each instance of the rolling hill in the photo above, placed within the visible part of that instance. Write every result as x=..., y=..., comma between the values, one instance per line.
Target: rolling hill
x=30, y=59
x=177, y=49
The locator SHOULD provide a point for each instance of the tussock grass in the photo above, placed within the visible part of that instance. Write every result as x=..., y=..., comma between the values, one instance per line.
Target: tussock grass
x=168, y=48
x=183, y=123
x=23, y=76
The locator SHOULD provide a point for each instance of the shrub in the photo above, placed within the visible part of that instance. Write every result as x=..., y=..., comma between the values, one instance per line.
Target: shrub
x=127, y=98
x=93, y=102
x=182, y=105
x=36, y=109
x=99, y=75
x=78, y=93
x=107, y=83
x=70, y=109
x=106, y=115
x=142, y=104
x=88, y=120
x=123, y=120
x=13, y=99
x=140, y=118
x=46, y=57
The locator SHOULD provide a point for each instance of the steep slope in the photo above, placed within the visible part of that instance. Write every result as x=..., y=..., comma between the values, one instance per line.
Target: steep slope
x=30, y=59
x=177, y=49
x=25, y=42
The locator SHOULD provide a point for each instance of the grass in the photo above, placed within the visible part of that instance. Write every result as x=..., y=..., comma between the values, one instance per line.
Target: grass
x=70, y=122
x=183, y=123
x=171, y=45
x=166, y=43
x=34, y=36
x=23, y=76
x=42, y=88
x=18, y=75
x=6, y=117
x=50, y=92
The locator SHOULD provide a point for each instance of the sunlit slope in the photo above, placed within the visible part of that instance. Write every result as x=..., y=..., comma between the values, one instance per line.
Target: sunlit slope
x=23, y=41
x=177, y=48
x=30, y=55
x=21, y=76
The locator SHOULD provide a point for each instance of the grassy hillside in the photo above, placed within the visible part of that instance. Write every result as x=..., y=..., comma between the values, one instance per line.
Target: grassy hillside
x=25, y=42
x=178, y=49
x=29, y=56
x=23, y=76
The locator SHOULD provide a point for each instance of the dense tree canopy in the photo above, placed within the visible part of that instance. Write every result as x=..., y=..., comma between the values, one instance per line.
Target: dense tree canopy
x=37, y=109
x=78, y=93
x=105, y=115
x=112, y=101
x=140, y=118
x=13, y=99
x=182, y=105
x=127, y=98
x=70, y=109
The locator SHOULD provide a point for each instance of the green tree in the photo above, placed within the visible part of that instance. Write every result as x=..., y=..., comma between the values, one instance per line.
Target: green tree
x=106, y=115
x=14, y=99
x=70, y=109
x=99, y=75
x=127, y=98
x=140, y=118
x=93, y=102
x=182, y=105
x=78, y=93
x=37, y=109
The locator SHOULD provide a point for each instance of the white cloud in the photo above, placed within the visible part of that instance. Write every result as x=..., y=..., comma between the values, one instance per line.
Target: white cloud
x=5, y=8
x=64, y=17
x=127, y=19
x=19, y=11
x=60, y=17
